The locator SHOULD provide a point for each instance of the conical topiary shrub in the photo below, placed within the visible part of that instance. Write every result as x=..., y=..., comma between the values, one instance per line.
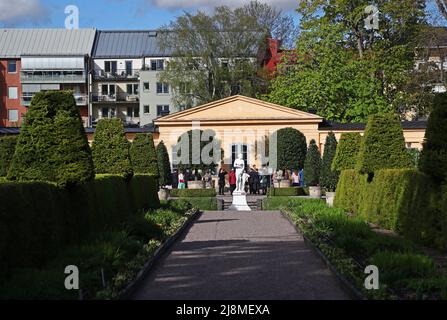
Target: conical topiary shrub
x=143, y=155
x=433, y=160
x=383, y=145
x=110, y=149
x=347, y=151
x=164, y=165
x=312, y=165
x=52, y=145
x=329, y=177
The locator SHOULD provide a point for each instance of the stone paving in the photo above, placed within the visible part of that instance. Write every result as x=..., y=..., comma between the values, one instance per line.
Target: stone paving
x=255, y=255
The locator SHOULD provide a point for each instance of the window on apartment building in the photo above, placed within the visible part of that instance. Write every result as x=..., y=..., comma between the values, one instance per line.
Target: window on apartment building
x=133, y=112
x=110, y=66
x=132, y=89
x=157, y=65
x=162, y=109
x=108, y=89
x=162, y=87
x=146, y=86
x=146, y=109
x=13, y=115
x=105, y=112
x=13, y=93
x=12, y=66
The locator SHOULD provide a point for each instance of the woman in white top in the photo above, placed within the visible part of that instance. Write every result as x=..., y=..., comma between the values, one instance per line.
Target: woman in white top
x=295, y=179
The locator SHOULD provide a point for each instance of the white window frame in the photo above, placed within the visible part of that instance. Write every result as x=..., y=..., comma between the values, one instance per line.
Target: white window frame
x=16, y=93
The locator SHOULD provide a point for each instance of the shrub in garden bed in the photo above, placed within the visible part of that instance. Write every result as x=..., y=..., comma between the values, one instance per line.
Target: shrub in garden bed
x=278, y=192
x=202, y=203
x=291, y=148
x=118, y=254
x=192, y=193
x=347, y=151
x=143, y=155
x=351, y=245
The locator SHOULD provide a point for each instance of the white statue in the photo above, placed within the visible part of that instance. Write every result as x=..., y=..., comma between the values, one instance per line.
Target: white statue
x=239, y=165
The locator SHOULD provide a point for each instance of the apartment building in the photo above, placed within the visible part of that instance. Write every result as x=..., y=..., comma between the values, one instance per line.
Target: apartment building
x=125, y=78
x=35, y=60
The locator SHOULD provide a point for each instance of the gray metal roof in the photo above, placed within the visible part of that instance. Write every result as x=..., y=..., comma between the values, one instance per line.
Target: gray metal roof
x=127, y=44
x=15, y=43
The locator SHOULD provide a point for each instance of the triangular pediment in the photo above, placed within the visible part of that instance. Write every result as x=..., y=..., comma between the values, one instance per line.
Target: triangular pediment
x=237, y=108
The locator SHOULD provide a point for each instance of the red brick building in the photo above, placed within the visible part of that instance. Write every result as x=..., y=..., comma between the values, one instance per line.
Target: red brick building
x=11, y=110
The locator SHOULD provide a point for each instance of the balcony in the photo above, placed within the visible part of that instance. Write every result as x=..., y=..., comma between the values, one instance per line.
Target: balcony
x=120, y=97
x=116, y=75
x=81, y=99
x=75, y=76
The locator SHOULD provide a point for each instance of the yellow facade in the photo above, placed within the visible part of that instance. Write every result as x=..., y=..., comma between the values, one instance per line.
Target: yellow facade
x=242, y=120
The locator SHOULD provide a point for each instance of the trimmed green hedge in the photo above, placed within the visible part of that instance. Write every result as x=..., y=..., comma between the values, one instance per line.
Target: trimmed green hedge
x=38, y=219
x=202, y=203
x=403, y=200
x=280, y=192
x=192, y=193
x=7, y=148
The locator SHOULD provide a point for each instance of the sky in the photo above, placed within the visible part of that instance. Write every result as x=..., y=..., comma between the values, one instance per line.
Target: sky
x=110, y=14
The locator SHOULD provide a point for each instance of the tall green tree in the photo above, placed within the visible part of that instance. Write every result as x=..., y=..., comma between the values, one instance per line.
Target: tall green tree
x=164, y=165
x=110, y=149
x=291, y=149
x=193, y=159
x=52, y=144
x=329, y=177
x=312, y=165
x=143, y=155
x=433, y=160
x=345, y=71
x=214, y=55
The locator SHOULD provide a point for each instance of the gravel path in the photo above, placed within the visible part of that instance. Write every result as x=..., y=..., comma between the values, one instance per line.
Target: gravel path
x=240, y=255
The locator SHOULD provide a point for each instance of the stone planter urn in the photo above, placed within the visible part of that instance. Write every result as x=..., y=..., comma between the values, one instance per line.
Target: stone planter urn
x=163, y=194
x=195, y=184
x=315, y=192
x=330, y=196
x=284, y=184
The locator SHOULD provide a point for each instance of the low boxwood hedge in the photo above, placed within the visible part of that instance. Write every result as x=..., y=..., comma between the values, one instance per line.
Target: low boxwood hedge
x=192, y=193
x=202, y=203
x=279, y=192
x=38, y=219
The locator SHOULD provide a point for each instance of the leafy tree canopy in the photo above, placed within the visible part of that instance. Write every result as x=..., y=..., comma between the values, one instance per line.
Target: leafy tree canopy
x=347, y=72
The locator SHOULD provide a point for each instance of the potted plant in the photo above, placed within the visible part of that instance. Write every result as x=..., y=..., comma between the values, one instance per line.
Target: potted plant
x=312, y=167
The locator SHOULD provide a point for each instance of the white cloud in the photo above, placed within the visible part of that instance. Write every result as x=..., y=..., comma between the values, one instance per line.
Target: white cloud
x=186, y=4
x=17, y=11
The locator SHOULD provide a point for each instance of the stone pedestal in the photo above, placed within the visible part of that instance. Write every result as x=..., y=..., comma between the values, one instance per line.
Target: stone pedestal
x=239, y=202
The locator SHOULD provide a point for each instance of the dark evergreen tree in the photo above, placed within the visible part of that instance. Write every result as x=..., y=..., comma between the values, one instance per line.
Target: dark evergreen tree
x=143, y=155
x=291, y=149
x=347, y=151
x=7, y=148
x=312, y=165
x=192, y=161
x=164, y=165
x=329, y=177
x=383, y=145
x=433, y=160
x=52, y=145
x=110, y=149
